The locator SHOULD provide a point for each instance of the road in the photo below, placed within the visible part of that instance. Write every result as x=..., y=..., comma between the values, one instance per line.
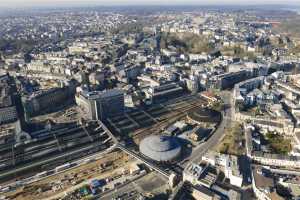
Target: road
x=122, y=189
x=149, y=163
x=227, y=116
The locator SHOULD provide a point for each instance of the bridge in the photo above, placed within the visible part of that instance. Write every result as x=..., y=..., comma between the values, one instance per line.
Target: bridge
x=114, y=139
x=144, y=160
x=120, y=146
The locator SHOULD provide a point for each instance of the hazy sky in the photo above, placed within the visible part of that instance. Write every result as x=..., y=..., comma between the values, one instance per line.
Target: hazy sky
x=29, y=3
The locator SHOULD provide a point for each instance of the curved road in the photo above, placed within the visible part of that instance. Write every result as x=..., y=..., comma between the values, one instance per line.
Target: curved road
x=217, y=136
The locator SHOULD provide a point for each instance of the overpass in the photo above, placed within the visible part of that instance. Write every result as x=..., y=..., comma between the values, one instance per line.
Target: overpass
x=114, y=139
x=144, y=160
x=132, y=153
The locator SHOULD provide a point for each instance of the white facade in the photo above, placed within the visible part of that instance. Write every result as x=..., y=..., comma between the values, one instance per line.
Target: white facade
x=230, y=164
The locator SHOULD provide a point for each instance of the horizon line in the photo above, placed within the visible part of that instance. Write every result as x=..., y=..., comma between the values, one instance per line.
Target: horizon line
x=81, y=4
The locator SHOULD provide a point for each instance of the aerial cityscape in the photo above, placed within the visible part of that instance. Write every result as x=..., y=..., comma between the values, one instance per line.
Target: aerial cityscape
x=150, y=102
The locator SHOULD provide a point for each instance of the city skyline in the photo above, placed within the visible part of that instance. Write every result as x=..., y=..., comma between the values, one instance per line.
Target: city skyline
x=153, y=99
x=56, y=3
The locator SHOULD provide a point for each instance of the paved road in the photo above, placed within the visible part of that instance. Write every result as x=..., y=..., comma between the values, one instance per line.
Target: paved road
x=126, y=188
x=147, y=162
x=285, y=172
x=217, y=136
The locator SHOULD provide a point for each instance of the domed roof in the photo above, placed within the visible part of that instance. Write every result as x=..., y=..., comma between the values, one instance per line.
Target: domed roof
x=160, y=148
x=205, y=115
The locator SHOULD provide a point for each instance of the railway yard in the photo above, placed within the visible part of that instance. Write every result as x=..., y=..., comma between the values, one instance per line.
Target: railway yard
x=78, y=177
x=69, y=179
x=51, y=149
x=157, y=102
x=138, y=124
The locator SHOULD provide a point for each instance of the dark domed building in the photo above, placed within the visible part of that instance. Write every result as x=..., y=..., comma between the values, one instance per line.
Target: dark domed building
x=161, y=148
x=204, y=115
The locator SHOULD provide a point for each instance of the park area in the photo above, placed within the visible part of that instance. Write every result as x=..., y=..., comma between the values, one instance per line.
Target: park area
x=278, y=143
x=233, y=141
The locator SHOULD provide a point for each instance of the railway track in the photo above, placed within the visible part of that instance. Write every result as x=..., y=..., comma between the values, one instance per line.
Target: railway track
x=176, y=113
x=49, y=146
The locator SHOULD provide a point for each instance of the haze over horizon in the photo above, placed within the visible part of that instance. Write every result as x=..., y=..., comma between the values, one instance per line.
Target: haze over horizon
x=58, y=3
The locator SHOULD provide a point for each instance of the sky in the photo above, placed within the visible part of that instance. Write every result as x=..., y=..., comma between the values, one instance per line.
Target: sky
x=56, y=3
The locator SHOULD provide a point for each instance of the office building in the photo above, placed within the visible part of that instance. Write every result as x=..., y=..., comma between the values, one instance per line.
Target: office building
x=163, y=92
x=38, y=102
x=99, y=105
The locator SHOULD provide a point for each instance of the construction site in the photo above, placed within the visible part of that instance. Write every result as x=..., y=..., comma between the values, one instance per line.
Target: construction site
x=60, y=184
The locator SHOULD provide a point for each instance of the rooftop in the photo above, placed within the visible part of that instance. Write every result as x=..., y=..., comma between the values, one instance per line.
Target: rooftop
x=160, y=148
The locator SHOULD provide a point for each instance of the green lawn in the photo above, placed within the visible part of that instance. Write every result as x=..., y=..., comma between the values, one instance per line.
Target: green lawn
x=278, y=143
x=230, y=144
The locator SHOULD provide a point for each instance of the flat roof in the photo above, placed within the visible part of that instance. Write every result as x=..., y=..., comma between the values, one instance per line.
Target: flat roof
x=262, y=181
x=102, y=94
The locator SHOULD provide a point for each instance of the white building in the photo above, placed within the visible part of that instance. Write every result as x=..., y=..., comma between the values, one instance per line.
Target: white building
x=229, y=164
